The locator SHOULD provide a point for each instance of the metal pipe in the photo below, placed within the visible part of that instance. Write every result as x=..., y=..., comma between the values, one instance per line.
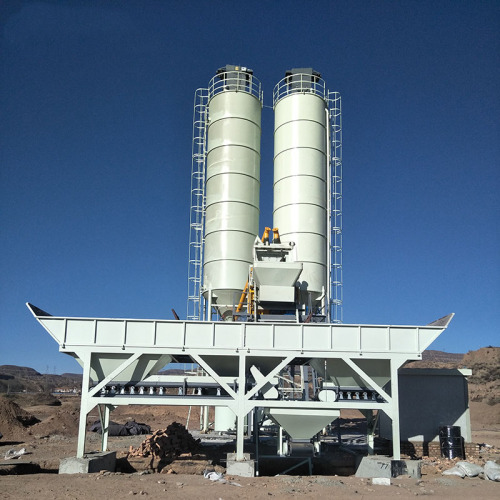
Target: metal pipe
x=242, y=298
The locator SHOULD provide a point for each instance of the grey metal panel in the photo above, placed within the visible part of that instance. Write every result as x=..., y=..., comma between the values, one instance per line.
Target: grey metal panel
x=302, y=424
x=273, y=293
x=292, y=163
x=102, y=364
x=276, y=274
x=342, y=375
x=80, y=331
x=230, y=216
x=226, y=245
x=313, y=219
x=313, y=338
x=170, y=334
x=233, y=160
x=430, y=399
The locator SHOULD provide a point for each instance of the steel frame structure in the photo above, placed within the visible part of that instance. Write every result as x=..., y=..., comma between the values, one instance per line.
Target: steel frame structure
x=133, y=350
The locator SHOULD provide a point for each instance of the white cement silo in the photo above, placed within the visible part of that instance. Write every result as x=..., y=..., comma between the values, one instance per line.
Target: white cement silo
x=300, y=176
x=232, y=184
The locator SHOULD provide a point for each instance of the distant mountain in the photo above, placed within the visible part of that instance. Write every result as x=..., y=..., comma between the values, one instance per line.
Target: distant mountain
x=18, y=371
x=24, y=379
x=484, y=383
x=72, y=375
x=441, y=357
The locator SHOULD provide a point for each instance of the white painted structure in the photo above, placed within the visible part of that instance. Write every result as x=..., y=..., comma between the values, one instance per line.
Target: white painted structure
x=296, y=284
x=225, y=175
x=300, y=177
x=232, y=185
x=116, y=352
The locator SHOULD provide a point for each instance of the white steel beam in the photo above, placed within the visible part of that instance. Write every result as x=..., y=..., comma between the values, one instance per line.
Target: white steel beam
x=82, y=426
x=240, y=408
x=96, y=342
x=396, y=441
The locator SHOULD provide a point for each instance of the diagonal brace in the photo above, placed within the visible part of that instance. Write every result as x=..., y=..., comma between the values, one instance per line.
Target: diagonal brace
x=214, y=375
x=286, y=361
x=368, y=379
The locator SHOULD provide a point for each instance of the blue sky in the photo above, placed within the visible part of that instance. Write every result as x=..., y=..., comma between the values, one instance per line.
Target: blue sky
x=95, y=154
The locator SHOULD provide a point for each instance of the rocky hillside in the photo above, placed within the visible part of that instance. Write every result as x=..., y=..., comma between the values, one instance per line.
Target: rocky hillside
x=441, y=357
x=23, y=379
x=484, y=384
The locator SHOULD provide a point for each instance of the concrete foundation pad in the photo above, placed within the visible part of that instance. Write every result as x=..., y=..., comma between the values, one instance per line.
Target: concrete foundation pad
x=374, y=466
x=18, y=467
x=243, y=468
x=381, y=481
x=91, y=462
x=412, y=468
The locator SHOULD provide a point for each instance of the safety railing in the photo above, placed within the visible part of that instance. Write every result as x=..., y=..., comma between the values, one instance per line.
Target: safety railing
x=235, y=81
x=296, y=83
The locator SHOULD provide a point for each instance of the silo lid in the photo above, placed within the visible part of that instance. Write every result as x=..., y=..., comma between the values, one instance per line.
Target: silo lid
x=303, y=71
x=232, y=67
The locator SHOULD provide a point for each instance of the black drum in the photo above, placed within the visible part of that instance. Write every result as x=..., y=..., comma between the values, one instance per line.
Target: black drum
x=451, y=442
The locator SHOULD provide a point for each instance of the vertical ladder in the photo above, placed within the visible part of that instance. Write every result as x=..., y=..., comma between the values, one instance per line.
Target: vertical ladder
x=335, y=215
x=197, y=213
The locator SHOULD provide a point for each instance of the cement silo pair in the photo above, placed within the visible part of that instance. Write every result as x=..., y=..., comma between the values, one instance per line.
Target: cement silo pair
x=302, y=176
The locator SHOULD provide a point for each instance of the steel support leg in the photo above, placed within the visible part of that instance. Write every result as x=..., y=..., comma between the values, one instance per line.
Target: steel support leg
x=240, y=436
x=370, y=433
x=371, y=421
x=205, y=418
x=241, y=413
x=280, y=442
x=82, y=427
x=104, y=411
x=396, y=439
x=209, y=305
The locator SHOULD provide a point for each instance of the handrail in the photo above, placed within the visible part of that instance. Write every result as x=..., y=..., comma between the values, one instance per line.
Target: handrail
x=235, y=81
x=299, y=83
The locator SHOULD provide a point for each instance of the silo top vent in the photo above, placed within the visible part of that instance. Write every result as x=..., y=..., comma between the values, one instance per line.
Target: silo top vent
x=230, y=67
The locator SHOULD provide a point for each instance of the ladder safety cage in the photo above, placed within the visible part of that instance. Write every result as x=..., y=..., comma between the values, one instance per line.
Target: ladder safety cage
x=335, y=212
x=197, y=212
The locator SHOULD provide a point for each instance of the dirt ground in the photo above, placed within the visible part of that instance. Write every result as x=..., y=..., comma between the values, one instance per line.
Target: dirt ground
x=55, y=437
x=196, y=486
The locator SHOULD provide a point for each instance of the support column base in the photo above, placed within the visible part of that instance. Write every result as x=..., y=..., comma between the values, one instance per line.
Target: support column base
x=379, y=466
x=92, y=462
x=243, y=468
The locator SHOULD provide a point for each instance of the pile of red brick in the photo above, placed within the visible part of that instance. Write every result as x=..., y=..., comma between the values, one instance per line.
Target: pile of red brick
x=163, y=443
x=433, y=449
